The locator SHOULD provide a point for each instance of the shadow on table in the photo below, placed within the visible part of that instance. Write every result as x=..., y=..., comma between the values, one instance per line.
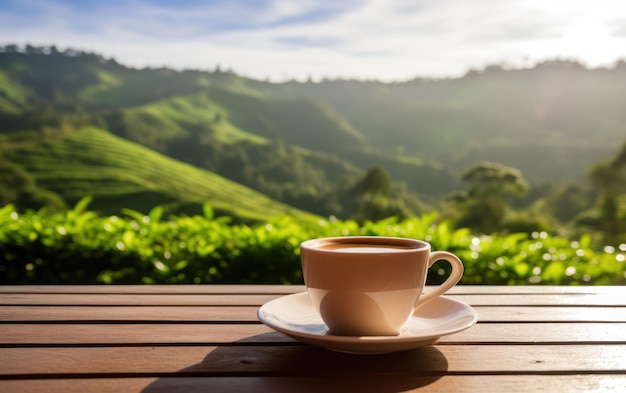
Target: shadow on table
x=257, y=364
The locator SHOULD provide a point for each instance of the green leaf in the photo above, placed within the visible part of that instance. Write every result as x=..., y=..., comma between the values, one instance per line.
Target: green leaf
x=138, y=216
x=82, y=204
x=521, y=269
x=8, y=209
x=208, y=212
x=181, y=265
x=585, y=241
x=155, y=214
x=554, y=272
x=128, y=238
x=84, y=219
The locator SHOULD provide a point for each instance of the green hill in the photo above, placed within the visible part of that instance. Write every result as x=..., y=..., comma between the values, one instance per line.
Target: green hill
x=305, y=144
x=179, y=118
x=301, y=122
x=551, y=121
x=121, y=174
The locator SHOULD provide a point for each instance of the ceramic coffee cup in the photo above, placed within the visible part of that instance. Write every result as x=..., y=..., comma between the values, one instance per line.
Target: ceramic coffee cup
x=371, y=285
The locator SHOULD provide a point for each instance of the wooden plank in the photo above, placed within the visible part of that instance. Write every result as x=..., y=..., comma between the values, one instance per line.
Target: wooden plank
x=537, y=300
x=495, y=355
x=551, y=314
x=542, y=300
x=202, y=289
x=286, y=289
x=136, y=334
x=134, y=300
x=129, y=314
x=536, y=289
x=216, y=334
x=564, y=333
x=350, y=383
x=306, y=360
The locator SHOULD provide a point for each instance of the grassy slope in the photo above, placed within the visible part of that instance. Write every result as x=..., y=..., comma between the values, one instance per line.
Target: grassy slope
x=301, y=122
x=12, y=96
x=551, y=122
x=236, y=114
x=174, y=114
x=159, y=106
x=114, y=171
x=310, y=124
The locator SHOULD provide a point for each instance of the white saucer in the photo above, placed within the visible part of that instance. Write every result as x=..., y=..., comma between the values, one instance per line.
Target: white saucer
x=295, y=316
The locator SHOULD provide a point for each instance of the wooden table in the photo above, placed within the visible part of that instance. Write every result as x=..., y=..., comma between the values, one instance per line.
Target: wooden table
x=208, y=338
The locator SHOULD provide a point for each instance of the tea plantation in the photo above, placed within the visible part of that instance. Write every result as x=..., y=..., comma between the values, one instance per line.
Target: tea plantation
x=82, y=247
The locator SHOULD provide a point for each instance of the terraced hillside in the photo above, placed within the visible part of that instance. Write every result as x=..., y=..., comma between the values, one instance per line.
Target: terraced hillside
x=119, y=174
x=307, y=144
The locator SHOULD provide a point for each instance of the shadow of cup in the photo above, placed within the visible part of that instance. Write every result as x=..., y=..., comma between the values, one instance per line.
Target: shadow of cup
x=259, y=364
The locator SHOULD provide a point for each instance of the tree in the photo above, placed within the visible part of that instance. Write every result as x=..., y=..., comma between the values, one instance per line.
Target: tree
x=490, y=178
x=565, y=200
x=483, y=206
x=609, y=179
x=375, y=182
x=372, y=198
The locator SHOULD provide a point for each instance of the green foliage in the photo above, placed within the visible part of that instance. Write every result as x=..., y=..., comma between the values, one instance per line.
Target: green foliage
x=536, y=120
x=298, y=121
x=163, y=122
x=490, y=178
x=305, y=144
x=375, y=182
x=609, y=178
x=81, y=247
x=483, y=207
x=12, y=97
x=121, y=174
x=483, y=214
x=565, y=200
x=374, y=197
x=17, y=185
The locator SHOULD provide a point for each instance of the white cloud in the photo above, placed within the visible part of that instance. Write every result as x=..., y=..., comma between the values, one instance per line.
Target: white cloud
x=280, y=39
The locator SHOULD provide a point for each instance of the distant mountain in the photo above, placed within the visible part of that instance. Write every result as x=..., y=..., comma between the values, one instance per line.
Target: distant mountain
x=306, y=144
x=551, y=121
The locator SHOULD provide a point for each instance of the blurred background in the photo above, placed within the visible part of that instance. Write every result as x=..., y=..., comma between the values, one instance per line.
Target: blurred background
x=492, y=117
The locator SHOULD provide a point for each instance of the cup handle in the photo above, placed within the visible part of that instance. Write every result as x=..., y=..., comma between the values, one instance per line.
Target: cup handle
x=453, y=279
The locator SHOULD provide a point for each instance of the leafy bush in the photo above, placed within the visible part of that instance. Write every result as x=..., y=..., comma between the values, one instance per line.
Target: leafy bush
x=81, y=247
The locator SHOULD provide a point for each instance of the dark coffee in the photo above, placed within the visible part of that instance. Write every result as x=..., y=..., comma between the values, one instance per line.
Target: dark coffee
x=364, y=247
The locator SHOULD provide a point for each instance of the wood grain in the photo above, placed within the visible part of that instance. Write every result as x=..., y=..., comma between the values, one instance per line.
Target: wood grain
x=286, y=289
x=64, y=299
x=181, y=334
x=248, y=314
x=362, y=383
x=154, y=289
x=305, y=360
x=199, y=338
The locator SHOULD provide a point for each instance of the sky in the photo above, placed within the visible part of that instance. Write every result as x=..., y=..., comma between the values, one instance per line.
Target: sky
x=387, y=40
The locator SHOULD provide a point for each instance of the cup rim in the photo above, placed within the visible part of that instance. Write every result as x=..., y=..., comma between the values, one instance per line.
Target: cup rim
x=408, y=244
